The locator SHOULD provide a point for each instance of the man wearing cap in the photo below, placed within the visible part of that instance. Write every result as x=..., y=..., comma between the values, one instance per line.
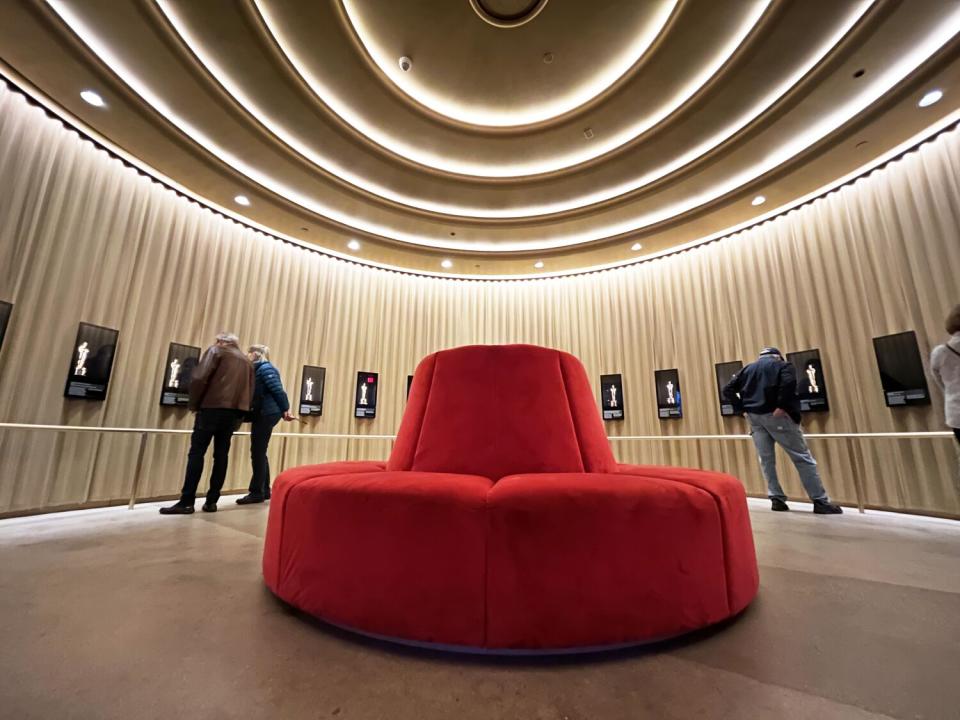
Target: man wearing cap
x=768, y=393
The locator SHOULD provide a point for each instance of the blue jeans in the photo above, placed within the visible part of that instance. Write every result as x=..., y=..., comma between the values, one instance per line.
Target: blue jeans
x=769, y=431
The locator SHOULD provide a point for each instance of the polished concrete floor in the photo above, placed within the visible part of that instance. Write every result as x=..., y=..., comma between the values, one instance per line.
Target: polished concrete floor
x=126, y=614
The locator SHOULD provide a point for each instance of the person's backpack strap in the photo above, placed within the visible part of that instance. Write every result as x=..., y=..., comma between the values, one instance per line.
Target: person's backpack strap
x=947, y=346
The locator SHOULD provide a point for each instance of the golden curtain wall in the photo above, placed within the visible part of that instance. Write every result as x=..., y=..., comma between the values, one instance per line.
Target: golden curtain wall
x=85, y=238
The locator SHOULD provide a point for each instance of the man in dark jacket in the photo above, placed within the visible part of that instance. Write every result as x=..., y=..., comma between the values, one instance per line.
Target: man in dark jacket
x=269, y=405
x=767, y=391
x=221, y=391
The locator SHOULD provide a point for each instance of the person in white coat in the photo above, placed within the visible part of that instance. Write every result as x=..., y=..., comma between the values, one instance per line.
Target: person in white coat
x=945, y=365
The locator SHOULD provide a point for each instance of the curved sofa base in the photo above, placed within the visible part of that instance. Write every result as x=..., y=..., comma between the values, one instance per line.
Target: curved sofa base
x=513, y=652
x=537, y=563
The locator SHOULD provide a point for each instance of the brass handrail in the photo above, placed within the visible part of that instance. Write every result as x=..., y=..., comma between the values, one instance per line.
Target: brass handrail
x=144, y=433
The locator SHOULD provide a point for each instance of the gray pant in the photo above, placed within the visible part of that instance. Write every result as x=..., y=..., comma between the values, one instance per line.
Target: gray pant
x=769, y=431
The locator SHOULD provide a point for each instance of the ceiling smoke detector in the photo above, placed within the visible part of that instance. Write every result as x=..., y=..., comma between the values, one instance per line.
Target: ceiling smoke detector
x=405, y=63
x=588, y=133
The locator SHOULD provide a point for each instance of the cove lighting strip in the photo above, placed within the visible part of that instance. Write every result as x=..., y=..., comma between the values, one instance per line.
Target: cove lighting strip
x=267, y=232
x=582, y=153
x=828, y=123
x=296, y=145
x=489, y=116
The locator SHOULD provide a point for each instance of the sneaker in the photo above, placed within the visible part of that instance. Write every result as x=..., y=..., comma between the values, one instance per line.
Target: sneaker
x=822, y=507
x=209, y=507
x=250, y=499
x=778, y=505
x=177, y=509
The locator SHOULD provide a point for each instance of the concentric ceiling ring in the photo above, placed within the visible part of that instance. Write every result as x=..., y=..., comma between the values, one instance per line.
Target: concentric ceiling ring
x=494, y=117
x=314, y=156
x=522, y=12
x=869, y=93
x=519, y=168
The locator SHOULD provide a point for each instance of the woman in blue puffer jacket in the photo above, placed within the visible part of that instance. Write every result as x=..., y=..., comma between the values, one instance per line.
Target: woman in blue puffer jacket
x=270, y=405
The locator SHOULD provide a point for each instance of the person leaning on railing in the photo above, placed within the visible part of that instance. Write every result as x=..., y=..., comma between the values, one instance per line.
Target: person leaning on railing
x=270, y=404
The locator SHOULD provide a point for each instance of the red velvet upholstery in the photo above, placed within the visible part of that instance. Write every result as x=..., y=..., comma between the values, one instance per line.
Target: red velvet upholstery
x=373, y=546
x=496, y=410
x=740, y=558
x=577, y=560
x=502, y=521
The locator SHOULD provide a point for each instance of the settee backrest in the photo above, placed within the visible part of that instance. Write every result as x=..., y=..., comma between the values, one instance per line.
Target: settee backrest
x=497, y=410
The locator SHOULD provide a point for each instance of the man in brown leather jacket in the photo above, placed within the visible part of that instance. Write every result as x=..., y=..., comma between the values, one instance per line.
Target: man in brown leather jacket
x=221, y=391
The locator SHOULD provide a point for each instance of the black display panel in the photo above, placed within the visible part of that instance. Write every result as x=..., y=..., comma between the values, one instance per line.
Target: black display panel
x=901, y=370
x=669, y=400
x=178, y=370
x=409, y=384
x=725, y=371
x=312, y=382
x=811, y=382
x=6, y=309
x=365, y=401
x=611, y=396
x=91, y=362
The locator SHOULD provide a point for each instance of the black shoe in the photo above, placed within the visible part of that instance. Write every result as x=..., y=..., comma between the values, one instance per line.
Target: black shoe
x=778, y=505
x=250, y=499
x=209, y=507
x=178, y=509
x=822, y=507
x=266, y=495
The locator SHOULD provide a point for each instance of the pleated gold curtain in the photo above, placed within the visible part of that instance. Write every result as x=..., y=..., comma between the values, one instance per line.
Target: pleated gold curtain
x=85, y=238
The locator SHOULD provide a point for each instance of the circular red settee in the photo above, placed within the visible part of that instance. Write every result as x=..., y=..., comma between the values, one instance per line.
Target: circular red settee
x=502, y=522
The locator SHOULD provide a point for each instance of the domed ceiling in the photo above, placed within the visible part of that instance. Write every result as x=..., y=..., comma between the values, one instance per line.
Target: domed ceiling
x=497, y=137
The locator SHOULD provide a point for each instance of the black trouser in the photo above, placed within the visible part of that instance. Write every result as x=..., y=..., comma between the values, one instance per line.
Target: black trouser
x=212, y=424
x=260, y=432
x=956, y=431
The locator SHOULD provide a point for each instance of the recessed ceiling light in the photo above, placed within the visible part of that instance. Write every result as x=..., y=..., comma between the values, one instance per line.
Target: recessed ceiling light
x=859, y=73
x=353, y=245
x=92, y=98
x=447, y=263
x=241, y=200
x=548, y=58
x=636, y=246
x=588, y=133
x=538, y=264
x=758, y=200
x=930, y=98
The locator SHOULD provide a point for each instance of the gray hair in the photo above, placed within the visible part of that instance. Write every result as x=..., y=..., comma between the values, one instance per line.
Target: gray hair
x=228, y=338
x=260, y=352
